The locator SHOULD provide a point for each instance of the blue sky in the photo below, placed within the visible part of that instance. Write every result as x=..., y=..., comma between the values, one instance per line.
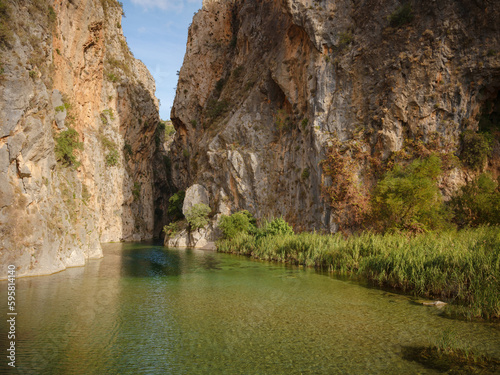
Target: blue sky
x=156, y=32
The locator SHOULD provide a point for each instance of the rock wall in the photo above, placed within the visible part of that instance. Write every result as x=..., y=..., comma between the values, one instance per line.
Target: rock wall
x=66, y=65
x=268, y=87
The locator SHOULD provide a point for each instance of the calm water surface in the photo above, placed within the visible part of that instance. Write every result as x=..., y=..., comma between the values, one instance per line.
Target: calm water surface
x=143, y=309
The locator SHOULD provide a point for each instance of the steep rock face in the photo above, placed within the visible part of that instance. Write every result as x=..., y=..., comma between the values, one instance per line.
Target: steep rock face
x=66, y=65
x=269, y=88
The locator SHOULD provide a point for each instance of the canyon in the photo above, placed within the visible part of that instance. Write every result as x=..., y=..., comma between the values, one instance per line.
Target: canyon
x=66, y=68
x=269, y=90
x=271, y=95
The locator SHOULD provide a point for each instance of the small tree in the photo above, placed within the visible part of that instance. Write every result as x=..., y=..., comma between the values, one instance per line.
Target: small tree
x=477, y=203
x=171, y=229
x=197, y=216
x=277, y=226
x=66, y=143
x=239, y=222
x=409, y=198
x=476, y=149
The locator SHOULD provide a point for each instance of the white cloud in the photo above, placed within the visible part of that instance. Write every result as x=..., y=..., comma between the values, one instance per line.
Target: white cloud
x=173, y=5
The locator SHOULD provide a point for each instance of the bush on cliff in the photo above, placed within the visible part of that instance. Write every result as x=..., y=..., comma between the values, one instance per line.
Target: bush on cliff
x=476, y=149
x=197, y=216
x=175, y=203
x=477, y=203
x=66, y=143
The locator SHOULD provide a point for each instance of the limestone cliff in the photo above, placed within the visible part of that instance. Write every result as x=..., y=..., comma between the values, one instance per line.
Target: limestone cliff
x=65, y=67
x=269, y=88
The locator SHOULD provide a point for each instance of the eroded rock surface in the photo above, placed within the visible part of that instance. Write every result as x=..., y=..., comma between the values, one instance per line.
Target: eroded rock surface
x=67, y=65
x=268, y=86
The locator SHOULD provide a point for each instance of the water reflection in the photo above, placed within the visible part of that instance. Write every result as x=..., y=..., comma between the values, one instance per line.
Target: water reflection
x=150, y=262
x=145, y=309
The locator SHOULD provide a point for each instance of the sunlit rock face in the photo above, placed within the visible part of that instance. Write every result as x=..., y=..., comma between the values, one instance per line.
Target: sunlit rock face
x=67, y=65
x=267, y=86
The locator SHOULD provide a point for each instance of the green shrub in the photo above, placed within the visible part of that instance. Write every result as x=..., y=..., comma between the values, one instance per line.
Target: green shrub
x=216, y=108
x=477, y=203
x=234, y=42
x=171, y=229
x=51, y=15
x=109, y=113
x=175, y=203
x=5, y=30
x=305, y=174
x=85, y=194
x=220, y=84
x=66, y=143
x=277, y=226
x=401, y=16
x=282, y=120
x=136, y=191
x=409, y=198
x=112, y=158
x=345, y=38
x=169, y=129
x=304, y=123
x=239, y=222
x=237, y=72
x=64, y=107
x=127, y=150
x=476, y=149
x=197, y=216
x=111, y=77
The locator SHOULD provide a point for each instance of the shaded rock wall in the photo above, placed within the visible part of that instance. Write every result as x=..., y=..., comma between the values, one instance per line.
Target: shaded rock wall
x=67, y=65
x=267, y=86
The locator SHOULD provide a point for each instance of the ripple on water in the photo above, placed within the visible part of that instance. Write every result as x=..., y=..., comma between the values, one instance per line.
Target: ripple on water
x=145, y=309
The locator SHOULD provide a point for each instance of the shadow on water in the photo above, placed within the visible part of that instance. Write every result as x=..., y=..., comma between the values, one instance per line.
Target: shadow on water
x=153, y=260
x=150, y=261
x=210, y=263
x=451, y=362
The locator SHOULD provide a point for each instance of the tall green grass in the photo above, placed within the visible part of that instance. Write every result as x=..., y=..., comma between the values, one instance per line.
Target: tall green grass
x=462, y=267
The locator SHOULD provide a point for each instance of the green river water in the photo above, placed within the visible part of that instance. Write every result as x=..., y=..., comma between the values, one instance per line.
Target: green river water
x=144, y=309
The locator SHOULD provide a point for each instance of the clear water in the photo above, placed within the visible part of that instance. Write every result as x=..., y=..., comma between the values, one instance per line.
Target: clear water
x=143, y=309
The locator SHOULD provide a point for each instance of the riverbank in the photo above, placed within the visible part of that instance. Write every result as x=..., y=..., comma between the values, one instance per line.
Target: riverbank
x=462, y=267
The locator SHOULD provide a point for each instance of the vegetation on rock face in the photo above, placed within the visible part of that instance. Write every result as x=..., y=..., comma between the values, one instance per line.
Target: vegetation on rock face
x=5, y=30
x=175, y=203
x=136, y=191
x=476, y=149
x=171, y=229
x=401, y=16
x=477, y=203
x=216, y=108
x=112, y=157
x=340, y=184
x=67, y=142
x=408, y=198
x=197, y=216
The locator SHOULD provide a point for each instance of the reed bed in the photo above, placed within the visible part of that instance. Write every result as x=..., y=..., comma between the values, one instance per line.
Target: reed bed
x=462, y=267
